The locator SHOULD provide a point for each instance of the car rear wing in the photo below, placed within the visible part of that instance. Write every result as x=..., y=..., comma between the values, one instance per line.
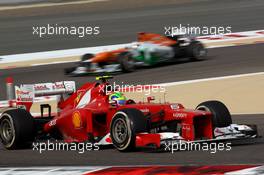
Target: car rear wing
x=44, y=89
x=40, y=99
x=35, y=92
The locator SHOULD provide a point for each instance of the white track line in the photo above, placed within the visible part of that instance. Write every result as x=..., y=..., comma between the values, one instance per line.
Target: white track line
x=230, y=39
x=55, y=62
x=62, y=170
x=48, y=4
x=58, y=53
x=209, y=79
x=248, y=171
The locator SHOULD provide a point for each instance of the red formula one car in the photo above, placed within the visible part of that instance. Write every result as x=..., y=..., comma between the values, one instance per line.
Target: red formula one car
x=93, y=114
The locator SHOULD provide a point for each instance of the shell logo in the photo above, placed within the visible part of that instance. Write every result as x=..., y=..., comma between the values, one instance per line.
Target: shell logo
x=77, y=120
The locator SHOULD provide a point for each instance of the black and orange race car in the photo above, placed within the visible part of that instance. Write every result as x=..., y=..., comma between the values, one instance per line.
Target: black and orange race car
x=150, y=49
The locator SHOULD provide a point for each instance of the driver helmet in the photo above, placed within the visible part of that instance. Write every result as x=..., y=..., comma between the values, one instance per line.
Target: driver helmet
x=118, y=97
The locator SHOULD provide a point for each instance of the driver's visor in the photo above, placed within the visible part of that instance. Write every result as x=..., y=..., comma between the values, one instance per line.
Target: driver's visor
x=121, y=102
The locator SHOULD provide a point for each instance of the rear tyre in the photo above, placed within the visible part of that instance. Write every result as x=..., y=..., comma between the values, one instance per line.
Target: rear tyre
x=196, y=51
x=127, y=62
x=125, y=125
x=221, y=115
x=16, y=128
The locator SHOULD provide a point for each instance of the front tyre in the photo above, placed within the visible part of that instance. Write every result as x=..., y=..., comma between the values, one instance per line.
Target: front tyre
x=221, y=115
x=87, y=56
x=125, y=125
x=80, y=65
x=16, y=128
x=85, y=61
x=69, y=70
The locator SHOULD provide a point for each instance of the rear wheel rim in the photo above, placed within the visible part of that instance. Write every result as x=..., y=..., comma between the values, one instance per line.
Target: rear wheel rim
x=7, y=132
x=200, y=51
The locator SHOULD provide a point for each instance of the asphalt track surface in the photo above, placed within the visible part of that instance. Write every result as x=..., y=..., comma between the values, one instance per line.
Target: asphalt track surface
x=17, y=1
x=239, y=154
x=119, y=27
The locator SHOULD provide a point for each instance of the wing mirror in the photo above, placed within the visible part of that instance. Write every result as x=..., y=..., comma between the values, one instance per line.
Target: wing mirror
x=151, y=98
